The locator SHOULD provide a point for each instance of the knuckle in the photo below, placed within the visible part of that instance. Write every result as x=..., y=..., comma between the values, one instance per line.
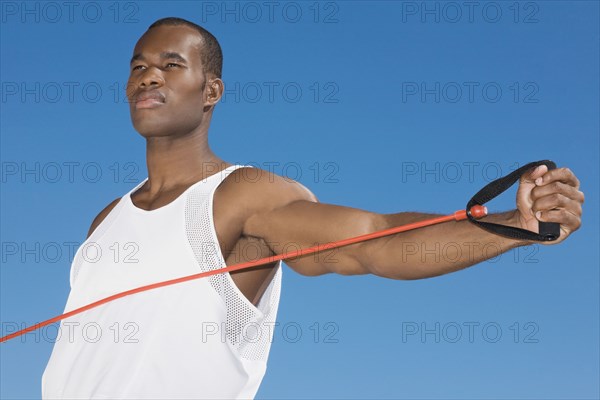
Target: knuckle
x=556, y=186
x=563, y=213
x=555, y=198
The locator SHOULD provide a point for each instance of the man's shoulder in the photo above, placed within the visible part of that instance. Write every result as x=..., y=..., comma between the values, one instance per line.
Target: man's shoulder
x=263, y=189
x=250, y=194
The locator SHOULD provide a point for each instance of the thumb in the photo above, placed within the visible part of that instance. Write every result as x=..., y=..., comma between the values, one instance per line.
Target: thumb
x=535, y=175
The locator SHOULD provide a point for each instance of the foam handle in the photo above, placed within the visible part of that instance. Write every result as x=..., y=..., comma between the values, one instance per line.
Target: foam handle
x=549, y=230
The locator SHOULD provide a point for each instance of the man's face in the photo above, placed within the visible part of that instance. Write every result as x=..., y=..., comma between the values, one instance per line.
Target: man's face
x=167, y=83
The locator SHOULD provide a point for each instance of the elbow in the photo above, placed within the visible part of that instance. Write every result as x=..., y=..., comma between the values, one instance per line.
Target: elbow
x=373, y=255
x=399, y=272
x=405, y=271
x=381, y=257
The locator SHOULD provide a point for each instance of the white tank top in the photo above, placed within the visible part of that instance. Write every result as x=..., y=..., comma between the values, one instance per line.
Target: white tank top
x=197, y=339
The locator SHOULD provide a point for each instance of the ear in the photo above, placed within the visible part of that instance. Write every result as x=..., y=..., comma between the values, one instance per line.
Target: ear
x=214, y=91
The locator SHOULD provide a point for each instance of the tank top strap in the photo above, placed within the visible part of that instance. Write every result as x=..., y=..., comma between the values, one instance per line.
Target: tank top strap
x=211, y=182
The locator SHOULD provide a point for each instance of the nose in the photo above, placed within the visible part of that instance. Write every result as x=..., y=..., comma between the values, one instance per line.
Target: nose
x=151, y=77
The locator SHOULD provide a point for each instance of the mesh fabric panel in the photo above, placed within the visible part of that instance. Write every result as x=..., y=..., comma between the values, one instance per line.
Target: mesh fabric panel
x=249, y=329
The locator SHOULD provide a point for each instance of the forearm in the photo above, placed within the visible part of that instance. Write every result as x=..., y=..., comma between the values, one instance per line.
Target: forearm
x=434, y=250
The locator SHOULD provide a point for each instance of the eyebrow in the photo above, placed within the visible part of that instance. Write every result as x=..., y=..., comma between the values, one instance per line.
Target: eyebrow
x=165, y=55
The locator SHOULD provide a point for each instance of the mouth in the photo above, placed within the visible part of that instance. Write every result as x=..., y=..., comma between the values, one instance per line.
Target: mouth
x=149, y=99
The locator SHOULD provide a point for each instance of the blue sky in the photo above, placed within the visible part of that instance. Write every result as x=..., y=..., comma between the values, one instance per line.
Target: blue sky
x=385, y=106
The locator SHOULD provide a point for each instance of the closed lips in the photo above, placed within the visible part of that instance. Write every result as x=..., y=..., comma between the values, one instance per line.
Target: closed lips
x=150, y=95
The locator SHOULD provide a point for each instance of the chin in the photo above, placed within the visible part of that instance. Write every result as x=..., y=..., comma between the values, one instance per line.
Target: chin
x=149, y=125
x=148, y=128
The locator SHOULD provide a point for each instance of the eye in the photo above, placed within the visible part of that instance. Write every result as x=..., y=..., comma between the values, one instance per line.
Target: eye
x=171, y=65
x=137, y=67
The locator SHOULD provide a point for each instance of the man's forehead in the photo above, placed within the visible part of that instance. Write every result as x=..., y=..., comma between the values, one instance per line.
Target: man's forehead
x=170, y=38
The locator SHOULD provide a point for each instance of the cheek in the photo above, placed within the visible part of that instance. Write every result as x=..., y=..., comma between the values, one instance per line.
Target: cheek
x=130, y=87
x=185, y=107
x=188, y=97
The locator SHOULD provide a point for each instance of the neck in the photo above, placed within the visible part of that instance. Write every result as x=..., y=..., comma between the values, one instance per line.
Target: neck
x=177, y=161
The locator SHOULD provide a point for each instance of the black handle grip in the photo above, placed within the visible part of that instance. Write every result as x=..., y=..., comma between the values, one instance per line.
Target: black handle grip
x=549, y=230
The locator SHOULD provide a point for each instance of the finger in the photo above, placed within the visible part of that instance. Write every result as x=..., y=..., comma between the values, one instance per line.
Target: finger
x=567, y=220
x=533, y=174
x=556, y=201
x=564, y=175
x=557, y=187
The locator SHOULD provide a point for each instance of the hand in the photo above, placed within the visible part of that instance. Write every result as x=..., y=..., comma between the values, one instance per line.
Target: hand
x=550, y=196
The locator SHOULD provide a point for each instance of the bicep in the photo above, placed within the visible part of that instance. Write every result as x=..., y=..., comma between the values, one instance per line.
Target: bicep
x=304, y=223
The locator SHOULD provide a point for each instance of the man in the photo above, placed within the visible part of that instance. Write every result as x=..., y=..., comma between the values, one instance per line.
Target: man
x=196, y=212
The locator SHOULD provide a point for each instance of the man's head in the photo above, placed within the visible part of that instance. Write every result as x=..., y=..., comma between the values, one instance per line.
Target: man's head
x=211, y=54
x=174, y=79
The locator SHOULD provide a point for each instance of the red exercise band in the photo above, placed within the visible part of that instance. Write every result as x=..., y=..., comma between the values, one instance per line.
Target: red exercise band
x=477, y=211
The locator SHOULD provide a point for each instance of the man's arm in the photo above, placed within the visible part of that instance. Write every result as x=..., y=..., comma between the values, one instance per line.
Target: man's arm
x=296, y=220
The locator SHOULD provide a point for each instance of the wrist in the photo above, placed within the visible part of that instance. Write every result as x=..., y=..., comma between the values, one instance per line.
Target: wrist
x=508, y=218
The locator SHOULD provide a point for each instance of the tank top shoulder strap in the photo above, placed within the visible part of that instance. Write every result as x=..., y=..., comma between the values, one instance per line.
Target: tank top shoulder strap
x=136, y=187
x=216, y=179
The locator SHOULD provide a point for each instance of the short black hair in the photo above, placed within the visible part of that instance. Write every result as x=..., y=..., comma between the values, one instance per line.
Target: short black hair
x=211, y=55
